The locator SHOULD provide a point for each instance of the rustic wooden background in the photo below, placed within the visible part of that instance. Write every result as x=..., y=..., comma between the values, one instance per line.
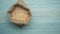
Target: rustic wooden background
x=45, y=17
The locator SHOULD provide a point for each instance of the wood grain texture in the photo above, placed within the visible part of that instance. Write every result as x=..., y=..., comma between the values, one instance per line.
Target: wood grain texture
x=45, y=17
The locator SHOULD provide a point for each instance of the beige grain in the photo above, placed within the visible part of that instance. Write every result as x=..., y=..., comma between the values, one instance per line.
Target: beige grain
x=20, y=15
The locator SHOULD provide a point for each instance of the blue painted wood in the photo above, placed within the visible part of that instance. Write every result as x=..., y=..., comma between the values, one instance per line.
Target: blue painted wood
x=45, y=17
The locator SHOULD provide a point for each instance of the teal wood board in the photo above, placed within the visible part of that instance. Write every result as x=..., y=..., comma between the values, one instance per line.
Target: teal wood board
x=45, y=17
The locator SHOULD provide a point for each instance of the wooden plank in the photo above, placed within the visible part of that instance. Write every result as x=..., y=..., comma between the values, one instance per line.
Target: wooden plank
x=45, y=17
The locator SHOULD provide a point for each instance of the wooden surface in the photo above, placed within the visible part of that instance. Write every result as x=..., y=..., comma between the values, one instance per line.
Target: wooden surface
x=45, y=17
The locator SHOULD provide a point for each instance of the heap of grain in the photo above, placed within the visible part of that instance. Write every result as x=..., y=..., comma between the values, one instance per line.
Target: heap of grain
x=20, y=15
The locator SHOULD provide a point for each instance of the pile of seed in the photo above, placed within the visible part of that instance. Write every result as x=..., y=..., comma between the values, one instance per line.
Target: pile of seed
x=20, y=15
